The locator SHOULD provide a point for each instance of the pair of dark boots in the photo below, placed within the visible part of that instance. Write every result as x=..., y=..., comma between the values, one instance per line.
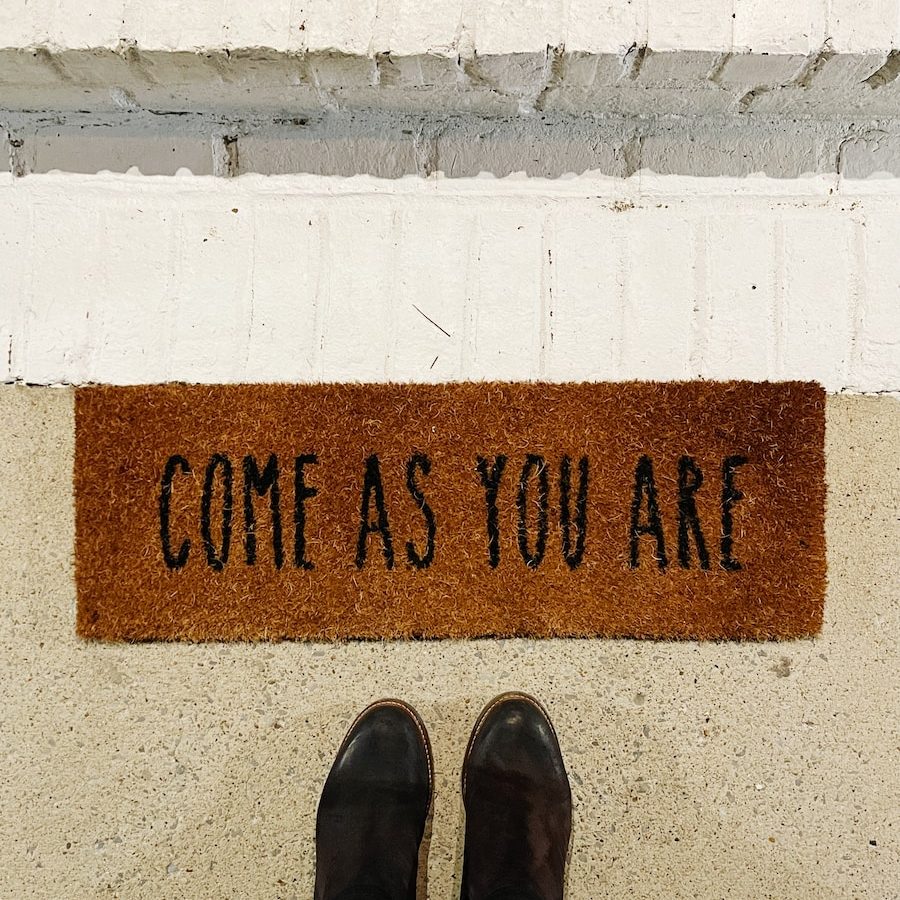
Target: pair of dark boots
x=376, y=799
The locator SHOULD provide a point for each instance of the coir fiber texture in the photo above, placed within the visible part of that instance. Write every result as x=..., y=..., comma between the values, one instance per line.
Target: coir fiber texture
x=329, y=511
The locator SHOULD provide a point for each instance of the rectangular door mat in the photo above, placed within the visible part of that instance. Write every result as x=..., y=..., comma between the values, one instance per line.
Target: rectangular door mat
x=328, y=511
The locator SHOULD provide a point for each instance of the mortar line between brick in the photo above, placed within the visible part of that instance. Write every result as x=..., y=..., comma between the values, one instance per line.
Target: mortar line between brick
x=99, y=334
x=469, y=338
x=545, y=331
x=322, y=297
x=700, y=317
x=251, y=293
x=176, y=280
x=27, y=313
x=779, y=299
x=395, y=297
x=621, y=245
x=859, y=264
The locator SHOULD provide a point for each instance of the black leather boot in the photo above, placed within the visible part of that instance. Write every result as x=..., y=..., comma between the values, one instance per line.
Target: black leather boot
x=374, y=806
x=518, y=805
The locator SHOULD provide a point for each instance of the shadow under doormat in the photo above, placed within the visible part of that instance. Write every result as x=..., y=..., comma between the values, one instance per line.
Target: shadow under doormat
x=329, y=511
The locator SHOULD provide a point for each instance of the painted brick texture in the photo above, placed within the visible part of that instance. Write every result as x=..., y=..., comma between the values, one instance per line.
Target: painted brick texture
x=454, y=27
x=127, y=280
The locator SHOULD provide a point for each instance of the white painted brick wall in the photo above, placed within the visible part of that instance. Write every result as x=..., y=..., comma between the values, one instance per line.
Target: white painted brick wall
x=133, y=331
x=658, y=304
x=216, y=254
x=69, y=294
x=452, y=27
x=359, y=308
x=585, y=292
x=430, y=284
x=856, y=27
x=799, y=26
x=816, y=261
x=737, y=324
x=676, y=26
x=506, y=303
x=287, y=283
x=876, y=348
x=126, y=279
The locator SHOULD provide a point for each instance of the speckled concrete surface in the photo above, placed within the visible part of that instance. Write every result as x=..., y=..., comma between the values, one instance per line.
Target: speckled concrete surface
x=702, y=771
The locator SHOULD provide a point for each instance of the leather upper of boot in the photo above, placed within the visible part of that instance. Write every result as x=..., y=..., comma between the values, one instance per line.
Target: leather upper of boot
x=374, y=807
x=518, y=805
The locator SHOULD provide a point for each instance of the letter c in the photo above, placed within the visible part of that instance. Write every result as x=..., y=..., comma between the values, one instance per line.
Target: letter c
x=165, y=495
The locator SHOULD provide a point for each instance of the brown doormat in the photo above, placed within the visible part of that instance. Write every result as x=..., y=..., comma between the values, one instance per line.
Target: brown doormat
x=664, y=510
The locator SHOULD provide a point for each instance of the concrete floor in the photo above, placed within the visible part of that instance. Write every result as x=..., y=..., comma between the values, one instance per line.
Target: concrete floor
x=698, y=770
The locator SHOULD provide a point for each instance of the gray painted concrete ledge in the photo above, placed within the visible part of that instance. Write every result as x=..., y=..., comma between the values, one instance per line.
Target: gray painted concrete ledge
x=552, y=113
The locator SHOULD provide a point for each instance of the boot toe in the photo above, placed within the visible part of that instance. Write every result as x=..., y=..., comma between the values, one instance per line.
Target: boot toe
x=515, y=734
x=386, y=743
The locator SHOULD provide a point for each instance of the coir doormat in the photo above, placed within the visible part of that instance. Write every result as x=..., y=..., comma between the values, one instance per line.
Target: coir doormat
x=664, y=510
